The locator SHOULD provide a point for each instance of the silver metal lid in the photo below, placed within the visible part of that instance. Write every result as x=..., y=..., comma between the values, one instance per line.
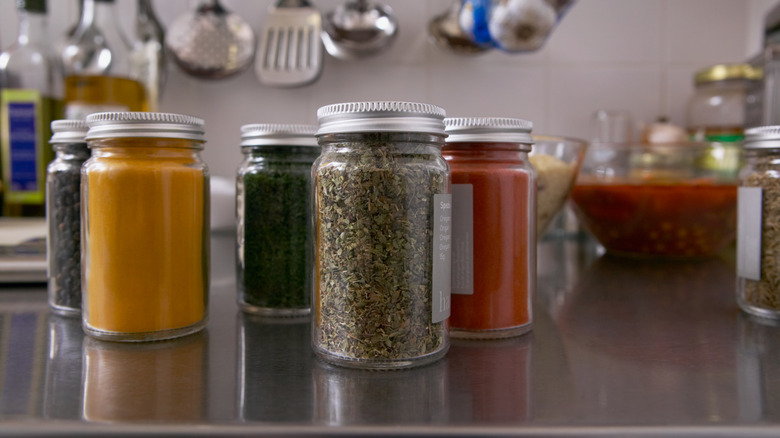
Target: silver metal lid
x=488, y=129
x=144, y=124
x=68, y=131
x=381, y=116
x=274, y=134
x=762, y=137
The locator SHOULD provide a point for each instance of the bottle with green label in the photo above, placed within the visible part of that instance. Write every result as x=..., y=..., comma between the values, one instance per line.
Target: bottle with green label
x=28, y=104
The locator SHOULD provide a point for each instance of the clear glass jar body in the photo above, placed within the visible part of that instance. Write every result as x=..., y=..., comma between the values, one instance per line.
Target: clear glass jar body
x=375, y=302
x=145, y=239
x=716, y=111
x=758, y=291
x=494, y=239
x=63, y=219
x=274, y=235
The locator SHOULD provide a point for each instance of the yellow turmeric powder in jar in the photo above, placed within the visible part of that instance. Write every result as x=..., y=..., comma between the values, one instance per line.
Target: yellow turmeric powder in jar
x=146, y=231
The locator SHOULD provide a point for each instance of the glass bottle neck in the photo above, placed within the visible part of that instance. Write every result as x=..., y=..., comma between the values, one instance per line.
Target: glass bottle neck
x=32, y=27
x=101, y=14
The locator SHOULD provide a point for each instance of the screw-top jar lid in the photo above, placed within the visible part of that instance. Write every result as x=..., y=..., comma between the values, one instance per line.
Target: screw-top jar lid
x=144, y=124
x=275, y=134
x=68, y=131
x=722, y=72
x=381, y=116
x=489, y=130
x=762, y=137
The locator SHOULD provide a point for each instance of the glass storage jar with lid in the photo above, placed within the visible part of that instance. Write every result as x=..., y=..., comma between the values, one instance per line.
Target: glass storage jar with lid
x=382, y=233
x=273, y=203
x=716, y=111
x=63, y=215
x=145, y=214
x=494, y=226
x=758, y=224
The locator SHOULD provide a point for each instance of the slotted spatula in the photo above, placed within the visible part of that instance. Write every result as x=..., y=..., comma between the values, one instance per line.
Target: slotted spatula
x=290, y=48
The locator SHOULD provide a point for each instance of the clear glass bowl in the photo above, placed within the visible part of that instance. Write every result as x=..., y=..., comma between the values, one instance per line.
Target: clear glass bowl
x=557, y=161
x=662, y=200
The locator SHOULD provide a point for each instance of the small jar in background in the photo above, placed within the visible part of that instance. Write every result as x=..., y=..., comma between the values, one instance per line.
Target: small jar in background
x=716, y=111
x=145, y=213
x=494, y=226
x=273, y=202
x=63, y=215
x=758, y=224
x=383, y=220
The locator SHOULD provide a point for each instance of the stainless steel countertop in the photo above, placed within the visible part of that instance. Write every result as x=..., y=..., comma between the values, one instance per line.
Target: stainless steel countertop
x=619, y=347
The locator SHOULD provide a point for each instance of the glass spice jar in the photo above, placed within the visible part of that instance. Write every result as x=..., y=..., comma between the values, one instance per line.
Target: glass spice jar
x=145, y=214
x=273, y=204
x=758, y=224
x=716, y=110
x=63, y=215
x=382, y=235
x=494, y=227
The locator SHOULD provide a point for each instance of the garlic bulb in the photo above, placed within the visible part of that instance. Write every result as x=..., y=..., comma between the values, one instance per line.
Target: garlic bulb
x=521, y=25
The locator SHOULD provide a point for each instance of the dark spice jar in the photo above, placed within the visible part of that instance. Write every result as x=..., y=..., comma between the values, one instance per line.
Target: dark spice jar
x=63, y=215
x=273, y=202
x=382, y=229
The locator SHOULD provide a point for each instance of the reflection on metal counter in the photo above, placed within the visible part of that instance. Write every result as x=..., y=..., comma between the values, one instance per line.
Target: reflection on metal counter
x=493, y=378
x=758, y=366
x=274, y=374
x=635, y=347
x=345, y=396
x=142, y=382
x=22, y=342
x=62, y=392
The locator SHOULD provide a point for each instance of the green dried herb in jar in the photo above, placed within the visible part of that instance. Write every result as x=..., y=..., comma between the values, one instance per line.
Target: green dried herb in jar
x=273, y=192
x=382, y=219
x=758, y=239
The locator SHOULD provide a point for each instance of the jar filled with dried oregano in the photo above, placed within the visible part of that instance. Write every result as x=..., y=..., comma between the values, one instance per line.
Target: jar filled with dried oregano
x=758, y=224
x=382, y=235
x=273, y=203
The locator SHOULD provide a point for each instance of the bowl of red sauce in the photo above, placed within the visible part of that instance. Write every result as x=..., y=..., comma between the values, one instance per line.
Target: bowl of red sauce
x=660, y=200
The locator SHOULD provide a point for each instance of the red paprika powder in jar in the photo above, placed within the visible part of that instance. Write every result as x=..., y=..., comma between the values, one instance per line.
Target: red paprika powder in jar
x=493, y=226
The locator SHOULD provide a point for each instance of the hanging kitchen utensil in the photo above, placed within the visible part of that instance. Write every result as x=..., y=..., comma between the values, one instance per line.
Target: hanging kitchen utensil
x=358, y=29
x=211, y=42
x=445, y=32
x=514, y=26
x=291, y=51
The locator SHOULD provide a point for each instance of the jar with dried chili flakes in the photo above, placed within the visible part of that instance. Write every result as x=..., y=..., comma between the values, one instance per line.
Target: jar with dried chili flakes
x=494, y=226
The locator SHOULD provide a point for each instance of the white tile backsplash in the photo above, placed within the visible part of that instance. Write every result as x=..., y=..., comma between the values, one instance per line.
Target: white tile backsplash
x=609, y=32
x=635, y=55
x=577, y=92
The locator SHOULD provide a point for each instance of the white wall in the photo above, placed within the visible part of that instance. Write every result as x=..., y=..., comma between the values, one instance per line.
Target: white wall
x=634, y=55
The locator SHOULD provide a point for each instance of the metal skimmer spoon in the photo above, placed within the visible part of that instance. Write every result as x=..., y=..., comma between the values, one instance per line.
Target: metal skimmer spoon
x=211, y=42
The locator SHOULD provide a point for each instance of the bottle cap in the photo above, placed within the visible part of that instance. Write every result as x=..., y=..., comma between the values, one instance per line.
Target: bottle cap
x=145, y=124
x=273, y=134
x=381, y=116
x=68, y=131
x=489, y=130
x=762, y=137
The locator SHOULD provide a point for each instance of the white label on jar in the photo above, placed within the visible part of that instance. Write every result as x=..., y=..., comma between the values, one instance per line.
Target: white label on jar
x=442, y=255
x=463, y=239
x=749, y=232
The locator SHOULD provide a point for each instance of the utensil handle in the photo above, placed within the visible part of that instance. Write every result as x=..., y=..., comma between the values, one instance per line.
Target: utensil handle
x=293, y=4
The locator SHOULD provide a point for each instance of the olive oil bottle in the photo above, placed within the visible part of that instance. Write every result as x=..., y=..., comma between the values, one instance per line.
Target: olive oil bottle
x=28, y=104
x=97, y=65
